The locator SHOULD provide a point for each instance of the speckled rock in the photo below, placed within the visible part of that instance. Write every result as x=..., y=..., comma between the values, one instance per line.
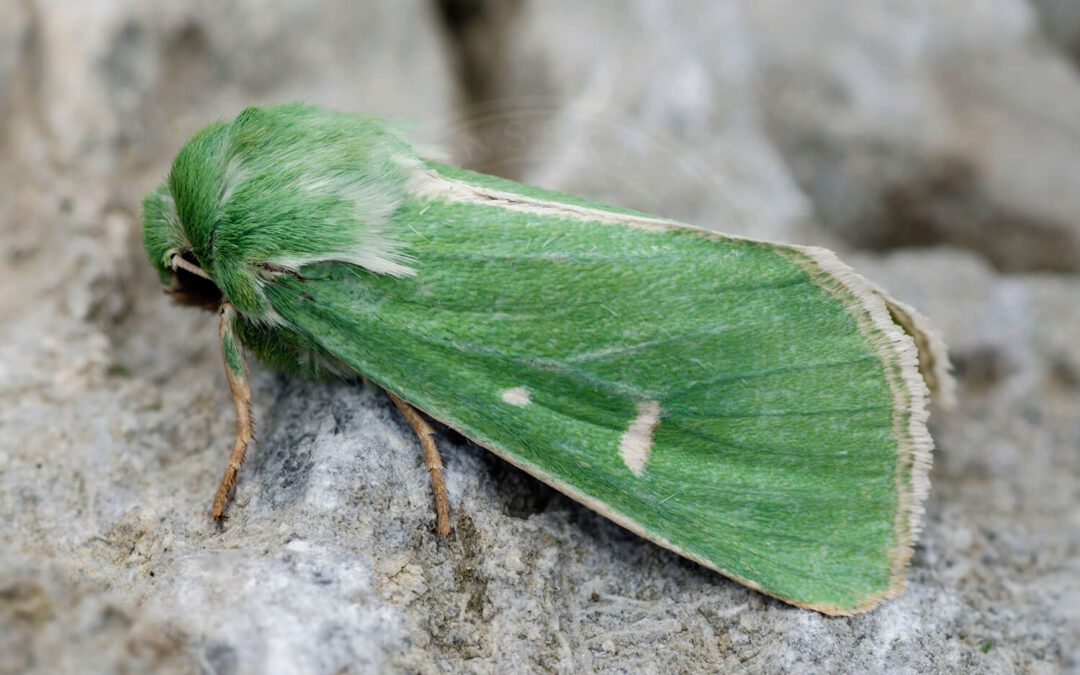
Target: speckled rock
x=913, y=123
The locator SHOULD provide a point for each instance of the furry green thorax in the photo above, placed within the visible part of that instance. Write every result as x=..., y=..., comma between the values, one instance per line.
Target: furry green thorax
x=276, y=189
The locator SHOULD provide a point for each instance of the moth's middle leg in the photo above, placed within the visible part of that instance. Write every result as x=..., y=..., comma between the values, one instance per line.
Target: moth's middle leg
x=431, y=458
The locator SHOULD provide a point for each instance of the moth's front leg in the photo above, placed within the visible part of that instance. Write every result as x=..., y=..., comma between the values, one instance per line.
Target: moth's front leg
x=236, y=372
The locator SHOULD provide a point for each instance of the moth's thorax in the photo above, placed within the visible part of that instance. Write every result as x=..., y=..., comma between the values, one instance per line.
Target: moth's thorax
x=280, y=189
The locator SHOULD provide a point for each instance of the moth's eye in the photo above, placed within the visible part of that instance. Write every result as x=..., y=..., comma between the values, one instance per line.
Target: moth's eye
x=191, y=289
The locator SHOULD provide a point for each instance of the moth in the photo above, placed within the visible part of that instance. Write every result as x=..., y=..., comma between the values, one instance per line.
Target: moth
x=756, y=407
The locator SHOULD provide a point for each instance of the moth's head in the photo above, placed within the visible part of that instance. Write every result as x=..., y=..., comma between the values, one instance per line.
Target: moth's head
x=176, y=236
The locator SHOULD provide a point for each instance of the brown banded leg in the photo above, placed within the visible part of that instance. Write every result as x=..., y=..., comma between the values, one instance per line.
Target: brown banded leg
x=236, y=373
x=431, y=458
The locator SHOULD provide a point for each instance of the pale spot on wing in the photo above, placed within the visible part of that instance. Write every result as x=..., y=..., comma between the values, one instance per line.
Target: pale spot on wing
x=518, y=396
x=637, y=442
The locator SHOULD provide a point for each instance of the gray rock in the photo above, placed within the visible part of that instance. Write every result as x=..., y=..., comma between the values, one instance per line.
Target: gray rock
x=648, y=104
x=115, y=419
x=1060, y=21
x=910, y=123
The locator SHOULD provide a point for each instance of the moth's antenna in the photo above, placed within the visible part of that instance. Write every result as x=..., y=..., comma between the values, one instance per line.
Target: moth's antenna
x=178, y=262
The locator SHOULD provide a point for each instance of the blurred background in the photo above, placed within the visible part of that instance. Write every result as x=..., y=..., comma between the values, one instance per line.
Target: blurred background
x=934, y=144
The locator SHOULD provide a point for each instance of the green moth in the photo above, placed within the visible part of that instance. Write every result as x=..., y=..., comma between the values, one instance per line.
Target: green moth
x=756, y=407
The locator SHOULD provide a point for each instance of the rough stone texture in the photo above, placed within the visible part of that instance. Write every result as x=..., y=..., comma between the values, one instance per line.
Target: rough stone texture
x=662, y=117
x=872, y=125
x=914, y=123
x=1061, y=23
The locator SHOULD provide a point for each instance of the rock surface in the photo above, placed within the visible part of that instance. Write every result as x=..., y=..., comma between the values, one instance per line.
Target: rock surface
x=864, y=126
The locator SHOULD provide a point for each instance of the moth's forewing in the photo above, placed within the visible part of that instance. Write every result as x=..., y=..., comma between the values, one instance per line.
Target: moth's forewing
x=751, y=406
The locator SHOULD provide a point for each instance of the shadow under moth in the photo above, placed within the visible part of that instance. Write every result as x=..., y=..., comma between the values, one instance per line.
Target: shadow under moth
x=756, y=407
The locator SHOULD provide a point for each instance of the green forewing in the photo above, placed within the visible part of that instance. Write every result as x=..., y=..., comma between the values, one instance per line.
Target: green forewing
x=773, y=459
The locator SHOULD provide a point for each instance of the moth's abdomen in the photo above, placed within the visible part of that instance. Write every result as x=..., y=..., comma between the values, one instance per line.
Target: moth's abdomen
x=291, y=352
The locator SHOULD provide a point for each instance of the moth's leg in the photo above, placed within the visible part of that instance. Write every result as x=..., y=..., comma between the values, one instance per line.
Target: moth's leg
x=431, y=458
x=236, y=372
